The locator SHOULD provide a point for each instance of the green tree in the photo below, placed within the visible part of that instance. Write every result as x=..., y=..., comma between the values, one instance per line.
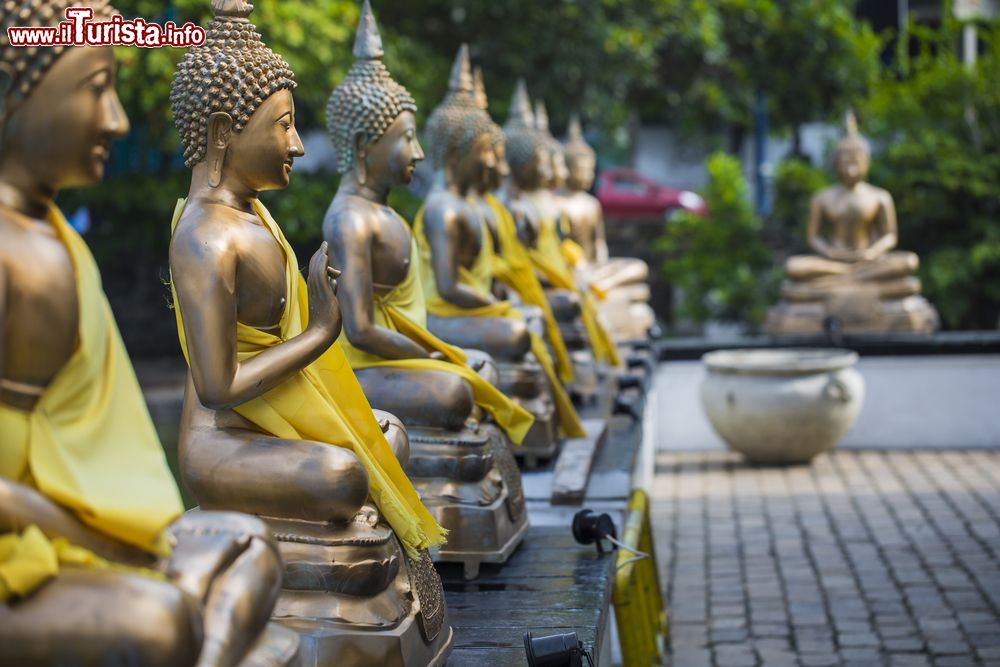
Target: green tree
x=938, y=122
x=720, y=263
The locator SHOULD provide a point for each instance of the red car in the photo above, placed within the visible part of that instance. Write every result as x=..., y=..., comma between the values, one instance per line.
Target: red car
x=627, y=195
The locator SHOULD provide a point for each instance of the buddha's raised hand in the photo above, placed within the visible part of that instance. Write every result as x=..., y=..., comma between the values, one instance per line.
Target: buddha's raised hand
x=324, y=309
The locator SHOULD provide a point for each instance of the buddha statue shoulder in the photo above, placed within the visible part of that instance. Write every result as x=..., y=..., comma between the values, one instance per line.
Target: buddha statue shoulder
x=274, y=420
x=98, y=563
x=457, y=460
x=856, y=270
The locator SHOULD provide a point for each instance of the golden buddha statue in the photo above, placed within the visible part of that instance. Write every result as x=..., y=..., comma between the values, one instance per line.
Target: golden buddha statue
x=457, y=255
x=620, y=280
x=856, y=277
x=274, y=420
x=461, y=465
x=533, y=158
x=97, y=563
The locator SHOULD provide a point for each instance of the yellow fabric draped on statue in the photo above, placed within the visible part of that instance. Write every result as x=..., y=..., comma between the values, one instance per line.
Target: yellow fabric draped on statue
x=403, y=309
x=480, y=278
x=552, y=266
x=89, y=443
x=512, y=266
x=324, y=402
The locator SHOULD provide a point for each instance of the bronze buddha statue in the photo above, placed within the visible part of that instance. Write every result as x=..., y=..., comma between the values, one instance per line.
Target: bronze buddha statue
x=622, y=281
x=274, y=420
x=856, y=277
x=457, y=258
x=97, y=563
x=530, y=152
x=459, y=424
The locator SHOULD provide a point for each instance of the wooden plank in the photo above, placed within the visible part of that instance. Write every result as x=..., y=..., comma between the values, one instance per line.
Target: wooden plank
x=576, y=458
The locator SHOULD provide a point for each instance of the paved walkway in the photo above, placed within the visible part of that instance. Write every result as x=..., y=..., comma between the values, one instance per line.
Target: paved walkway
x=863, y=558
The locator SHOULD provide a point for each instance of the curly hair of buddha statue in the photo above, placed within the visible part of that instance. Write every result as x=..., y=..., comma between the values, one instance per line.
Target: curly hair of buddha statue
x=368, y=101
x=21, y=69
x=459, y=121
x=523, y=139
x=232, y=72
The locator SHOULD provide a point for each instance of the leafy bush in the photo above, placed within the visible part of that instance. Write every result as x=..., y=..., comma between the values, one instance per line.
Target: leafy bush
x=720, y=262
x=940, y=125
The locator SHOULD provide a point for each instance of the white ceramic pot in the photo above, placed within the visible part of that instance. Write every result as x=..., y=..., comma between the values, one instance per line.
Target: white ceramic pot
x=782, y=405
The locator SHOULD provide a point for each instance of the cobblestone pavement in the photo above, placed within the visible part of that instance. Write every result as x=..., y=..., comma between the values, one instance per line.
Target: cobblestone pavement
x=863, y=558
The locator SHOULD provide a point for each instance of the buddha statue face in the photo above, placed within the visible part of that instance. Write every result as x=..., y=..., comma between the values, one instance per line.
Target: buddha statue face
x=472, y=168
x=560, y=171
x=852, y=164
x=581, y=171
x=501, y=168
x=60, y=135
x=393, y=157
x=260, y=156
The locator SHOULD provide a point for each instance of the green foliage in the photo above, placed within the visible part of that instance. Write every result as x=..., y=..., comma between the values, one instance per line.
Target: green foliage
x=710, y=58
x=720, y=262
x=795, y=183
x=940, y=127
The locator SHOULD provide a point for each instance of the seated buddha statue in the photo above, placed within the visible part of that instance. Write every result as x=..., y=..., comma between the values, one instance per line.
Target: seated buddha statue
x=457, y=259
x=529, y=198
x=98, y=565
x=621, y=281
x=466, y=475
x=274, y=420
x=857, y=277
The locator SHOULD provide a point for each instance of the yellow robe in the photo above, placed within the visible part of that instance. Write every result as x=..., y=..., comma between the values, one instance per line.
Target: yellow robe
x=512, y=266
x=480, y=278
x=324, y=402
x=89, y=443
x=403, y=310
x=551, y=264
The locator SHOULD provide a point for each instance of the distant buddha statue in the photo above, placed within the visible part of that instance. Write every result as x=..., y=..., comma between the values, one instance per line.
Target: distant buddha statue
x=465, y=473
x=857, y=277
x=621, y=281
x=274, y=420
x=533, y=157
x=457, y=260
x=98, y=565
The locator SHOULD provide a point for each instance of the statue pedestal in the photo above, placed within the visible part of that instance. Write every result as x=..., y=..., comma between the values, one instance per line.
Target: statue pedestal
x=525, y=383
x=355, y=599
x=859, y=310
x=470, y=483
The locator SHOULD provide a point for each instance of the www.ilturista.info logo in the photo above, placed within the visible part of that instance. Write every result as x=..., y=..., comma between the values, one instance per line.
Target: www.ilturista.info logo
x=79, y=30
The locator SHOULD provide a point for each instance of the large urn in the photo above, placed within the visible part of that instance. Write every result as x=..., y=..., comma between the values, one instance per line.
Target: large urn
x=782, y=406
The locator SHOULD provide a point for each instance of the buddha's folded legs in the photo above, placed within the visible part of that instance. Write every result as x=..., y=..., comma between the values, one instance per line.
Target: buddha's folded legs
x=803, y=268
x=505, y=339
x=247, y=471
x=899, y=264
x=419, y=397
x=101, y=617
x=621, y=271
x=230, y=563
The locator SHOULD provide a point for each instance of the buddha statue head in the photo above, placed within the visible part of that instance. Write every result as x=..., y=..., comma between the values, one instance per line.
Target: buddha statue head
x=59, y=111
x=370, y=116
x=557, y=155
x=581, y=160
x=527, y=149
x=852, y=156
x=459, y=131
x=501, y=169
x=232, y=103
